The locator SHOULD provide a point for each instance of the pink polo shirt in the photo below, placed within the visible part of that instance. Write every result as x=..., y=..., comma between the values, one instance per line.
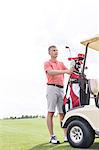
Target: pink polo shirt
x=54, y=65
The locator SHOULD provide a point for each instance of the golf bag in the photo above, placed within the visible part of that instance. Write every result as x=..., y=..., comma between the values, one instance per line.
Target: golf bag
x=77, y=91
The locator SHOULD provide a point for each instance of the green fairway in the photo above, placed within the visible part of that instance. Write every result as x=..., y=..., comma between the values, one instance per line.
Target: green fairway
x=31, y=134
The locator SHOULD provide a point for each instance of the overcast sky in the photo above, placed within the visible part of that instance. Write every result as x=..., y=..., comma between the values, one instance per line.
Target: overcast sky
x=27, y=29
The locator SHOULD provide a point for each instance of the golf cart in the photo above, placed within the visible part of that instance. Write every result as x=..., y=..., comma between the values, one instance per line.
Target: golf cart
x=82, y=122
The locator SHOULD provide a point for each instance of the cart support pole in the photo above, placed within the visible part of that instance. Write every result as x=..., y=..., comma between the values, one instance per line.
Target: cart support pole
x=85, y=59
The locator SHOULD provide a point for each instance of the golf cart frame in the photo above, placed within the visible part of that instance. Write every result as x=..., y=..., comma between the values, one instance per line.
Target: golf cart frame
x=81, y=123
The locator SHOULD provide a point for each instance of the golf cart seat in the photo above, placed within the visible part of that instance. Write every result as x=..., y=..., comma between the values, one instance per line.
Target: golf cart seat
x=94, y=89
x=94, y=86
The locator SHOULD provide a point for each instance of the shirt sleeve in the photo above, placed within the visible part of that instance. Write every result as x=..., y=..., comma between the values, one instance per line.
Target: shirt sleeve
x=47, y=66
x=63, y=66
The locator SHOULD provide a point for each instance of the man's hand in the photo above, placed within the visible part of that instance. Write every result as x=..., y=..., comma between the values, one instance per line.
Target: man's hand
x=72, y=65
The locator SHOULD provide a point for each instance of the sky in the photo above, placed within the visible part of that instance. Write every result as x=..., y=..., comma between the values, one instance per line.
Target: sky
x=27, y=29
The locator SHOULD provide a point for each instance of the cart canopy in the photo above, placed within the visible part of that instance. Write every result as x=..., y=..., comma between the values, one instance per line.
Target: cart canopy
x=93, y=42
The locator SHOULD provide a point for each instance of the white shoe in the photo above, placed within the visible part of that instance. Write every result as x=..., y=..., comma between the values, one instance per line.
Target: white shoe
x=53, y=140
x=65, y=139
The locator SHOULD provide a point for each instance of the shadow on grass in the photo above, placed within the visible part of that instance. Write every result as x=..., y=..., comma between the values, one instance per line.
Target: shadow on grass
x=47, y=146
x=95, y=146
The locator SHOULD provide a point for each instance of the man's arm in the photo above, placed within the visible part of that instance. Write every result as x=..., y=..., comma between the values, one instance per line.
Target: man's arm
x=58, y=72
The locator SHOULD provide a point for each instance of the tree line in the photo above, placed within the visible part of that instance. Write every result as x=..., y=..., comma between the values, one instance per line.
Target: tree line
x=25, y=117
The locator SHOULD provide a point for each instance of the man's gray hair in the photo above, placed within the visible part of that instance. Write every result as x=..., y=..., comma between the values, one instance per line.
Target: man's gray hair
x=52, y=46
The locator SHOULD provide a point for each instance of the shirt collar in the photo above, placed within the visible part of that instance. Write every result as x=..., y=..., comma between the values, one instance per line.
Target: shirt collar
x=53, y=61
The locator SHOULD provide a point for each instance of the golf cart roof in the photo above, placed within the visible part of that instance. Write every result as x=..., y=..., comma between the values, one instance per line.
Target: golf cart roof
x=93, y=43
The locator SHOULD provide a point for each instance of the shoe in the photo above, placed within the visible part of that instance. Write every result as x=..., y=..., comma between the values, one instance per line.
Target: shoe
x=54, y=140
x=65, y=139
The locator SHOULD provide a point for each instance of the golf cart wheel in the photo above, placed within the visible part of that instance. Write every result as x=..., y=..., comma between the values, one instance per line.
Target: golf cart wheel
x=80, y=134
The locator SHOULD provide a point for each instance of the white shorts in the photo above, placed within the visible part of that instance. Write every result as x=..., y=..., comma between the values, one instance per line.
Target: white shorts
x=55, y=96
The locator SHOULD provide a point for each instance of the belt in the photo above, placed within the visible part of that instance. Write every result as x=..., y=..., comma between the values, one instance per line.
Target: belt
x=60, y=86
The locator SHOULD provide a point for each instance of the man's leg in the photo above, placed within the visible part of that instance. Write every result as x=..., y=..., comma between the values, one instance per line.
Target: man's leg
x=51, y=105
x=53, y=138
x=50, y=122
x=60, y=110
x=61, y=116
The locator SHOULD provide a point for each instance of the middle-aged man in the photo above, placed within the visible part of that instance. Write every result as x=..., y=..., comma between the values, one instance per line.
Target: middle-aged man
x=55, y=71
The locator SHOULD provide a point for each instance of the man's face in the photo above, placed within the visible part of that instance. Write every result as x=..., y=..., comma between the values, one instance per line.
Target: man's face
x=53, y=52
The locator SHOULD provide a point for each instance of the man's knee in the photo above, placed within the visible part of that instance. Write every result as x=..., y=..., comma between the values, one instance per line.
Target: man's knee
x=50, y=114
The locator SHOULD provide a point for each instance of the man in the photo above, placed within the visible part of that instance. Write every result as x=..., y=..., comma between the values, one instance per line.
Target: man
x=55, y=71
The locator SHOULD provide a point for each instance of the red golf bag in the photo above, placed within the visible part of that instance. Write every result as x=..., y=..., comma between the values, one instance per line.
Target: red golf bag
x=76, y=87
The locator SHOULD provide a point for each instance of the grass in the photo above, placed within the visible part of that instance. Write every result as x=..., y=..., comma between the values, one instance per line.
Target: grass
x=31, y=134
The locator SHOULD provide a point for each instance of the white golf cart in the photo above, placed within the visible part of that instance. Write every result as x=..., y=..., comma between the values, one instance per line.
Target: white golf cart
x=82, y=122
